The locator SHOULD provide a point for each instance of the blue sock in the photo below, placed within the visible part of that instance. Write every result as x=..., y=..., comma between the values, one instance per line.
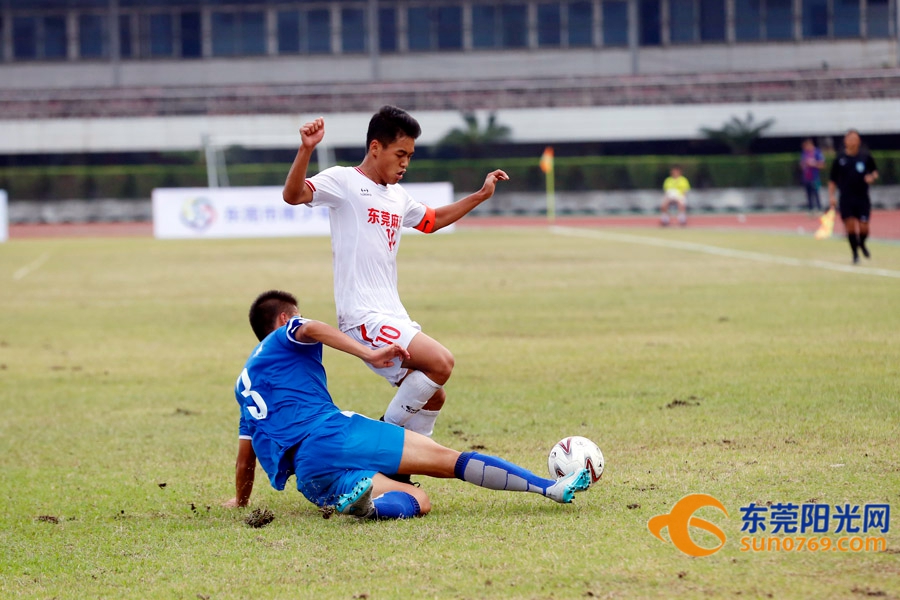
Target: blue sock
x=396, y=505
x=498, y=474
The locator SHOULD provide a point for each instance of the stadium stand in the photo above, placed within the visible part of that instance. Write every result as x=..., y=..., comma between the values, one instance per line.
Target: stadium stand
x=709, y=88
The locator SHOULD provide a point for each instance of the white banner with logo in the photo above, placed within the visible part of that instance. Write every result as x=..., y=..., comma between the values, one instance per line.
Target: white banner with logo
x=244, y=212
x=4, y=217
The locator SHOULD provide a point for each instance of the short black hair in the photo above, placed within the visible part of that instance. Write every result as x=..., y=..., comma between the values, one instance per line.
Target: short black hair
x=266, y=308
x=389, y=123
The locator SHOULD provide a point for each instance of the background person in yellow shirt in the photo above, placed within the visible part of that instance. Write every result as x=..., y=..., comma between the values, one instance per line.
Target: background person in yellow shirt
x=675, y=189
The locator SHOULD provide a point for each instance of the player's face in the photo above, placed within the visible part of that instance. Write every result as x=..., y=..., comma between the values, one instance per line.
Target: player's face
x=851, y=143
x=391, y=161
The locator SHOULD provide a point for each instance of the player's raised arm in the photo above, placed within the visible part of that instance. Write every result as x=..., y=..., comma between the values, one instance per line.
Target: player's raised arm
x=451, y=213
x=295, y=189
x=316, y=331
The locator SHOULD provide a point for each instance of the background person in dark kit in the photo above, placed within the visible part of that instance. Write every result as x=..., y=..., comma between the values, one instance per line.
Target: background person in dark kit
x=852, y=172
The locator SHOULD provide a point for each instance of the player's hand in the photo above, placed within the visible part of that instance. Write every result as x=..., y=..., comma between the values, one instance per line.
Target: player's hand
x=312, y=133
x=384, y=356
x=490, y=182
x=870, y=178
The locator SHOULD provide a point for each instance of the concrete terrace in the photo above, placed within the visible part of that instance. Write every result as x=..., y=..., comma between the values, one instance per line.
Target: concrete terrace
x=455, y=95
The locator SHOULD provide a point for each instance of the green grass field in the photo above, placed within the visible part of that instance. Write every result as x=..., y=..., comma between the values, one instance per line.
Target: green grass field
x=119, y=425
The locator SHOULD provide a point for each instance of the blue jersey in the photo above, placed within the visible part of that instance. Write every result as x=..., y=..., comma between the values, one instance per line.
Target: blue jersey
x=284, y=397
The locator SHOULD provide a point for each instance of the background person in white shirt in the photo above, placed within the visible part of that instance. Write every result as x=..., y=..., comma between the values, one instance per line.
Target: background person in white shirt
x=367, y=211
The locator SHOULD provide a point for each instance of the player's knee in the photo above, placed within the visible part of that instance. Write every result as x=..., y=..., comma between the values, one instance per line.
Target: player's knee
x=424, y=504
x=422, y=500
x=444, y=364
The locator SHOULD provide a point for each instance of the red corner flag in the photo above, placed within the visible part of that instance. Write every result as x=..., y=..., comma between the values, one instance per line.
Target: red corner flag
x=547, y=159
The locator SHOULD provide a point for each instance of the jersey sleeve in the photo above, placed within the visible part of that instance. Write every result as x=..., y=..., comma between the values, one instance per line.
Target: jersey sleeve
x=244, y=432
x=418, y=215
x=291, y=332
x=244, y=428
x=327, y=187
x=685, y=185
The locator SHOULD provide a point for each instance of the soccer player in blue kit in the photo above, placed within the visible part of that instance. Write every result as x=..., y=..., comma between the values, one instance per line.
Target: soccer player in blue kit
x=340, y=459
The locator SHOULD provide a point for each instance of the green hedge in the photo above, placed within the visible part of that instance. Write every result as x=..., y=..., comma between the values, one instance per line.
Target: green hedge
x=580, y=173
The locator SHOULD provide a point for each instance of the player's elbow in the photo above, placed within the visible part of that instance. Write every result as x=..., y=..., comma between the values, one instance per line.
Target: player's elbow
x=294, y=195
x=291, y=197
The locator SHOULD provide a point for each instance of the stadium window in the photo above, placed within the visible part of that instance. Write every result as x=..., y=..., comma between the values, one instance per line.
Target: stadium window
x=549, y=25
x=238, y=33
x=449, y=27
x=681, y=21
x=418, y=29
x=615, y=23
x=353, y=30
x=581, y=24
x=484, y=26
x=815, y=18
x=224, y=34
x=878, y=19
x=846, y=18
x=649, y=22
x=56, y=42
x=319, y=30
x=747, y=20
x=126, y=49
x=160, y=38
x=91, y=36
x=252, y=28
x=288, y=30
x=191, y=35
x=779, y=19
x=712, y=20
x=24, y=38
x=387, y=29
x=513, y=25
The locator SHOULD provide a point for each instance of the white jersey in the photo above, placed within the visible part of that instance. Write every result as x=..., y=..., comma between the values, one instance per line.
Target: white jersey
x=366, y=219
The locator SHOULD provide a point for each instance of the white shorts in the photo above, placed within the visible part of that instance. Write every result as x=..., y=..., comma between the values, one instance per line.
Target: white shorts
x=674, y=196
x=380, y=331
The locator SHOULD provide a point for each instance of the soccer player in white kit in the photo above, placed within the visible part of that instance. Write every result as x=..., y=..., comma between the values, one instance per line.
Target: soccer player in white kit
x=367, y=211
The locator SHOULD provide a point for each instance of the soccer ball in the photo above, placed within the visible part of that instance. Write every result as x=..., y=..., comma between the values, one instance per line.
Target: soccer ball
x=573, y=453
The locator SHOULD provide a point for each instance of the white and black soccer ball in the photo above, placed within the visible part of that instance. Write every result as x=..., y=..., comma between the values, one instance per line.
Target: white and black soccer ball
x=573, y=453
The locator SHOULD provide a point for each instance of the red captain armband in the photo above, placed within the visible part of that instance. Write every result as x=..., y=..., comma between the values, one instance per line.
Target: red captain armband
x=426, y=225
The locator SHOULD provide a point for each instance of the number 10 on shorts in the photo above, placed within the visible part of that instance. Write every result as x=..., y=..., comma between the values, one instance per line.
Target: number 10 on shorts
x=386, y=335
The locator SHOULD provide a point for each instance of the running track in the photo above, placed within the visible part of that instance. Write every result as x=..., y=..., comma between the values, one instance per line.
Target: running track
x=885, y=225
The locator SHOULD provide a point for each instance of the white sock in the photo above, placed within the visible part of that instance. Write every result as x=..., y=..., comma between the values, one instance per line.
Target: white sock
x=423, y=422
x=412, y=395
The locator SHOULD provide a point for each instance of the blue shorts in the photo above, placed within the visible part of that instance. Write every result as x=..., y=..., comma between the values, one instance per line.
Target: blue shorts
x=344, y=449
